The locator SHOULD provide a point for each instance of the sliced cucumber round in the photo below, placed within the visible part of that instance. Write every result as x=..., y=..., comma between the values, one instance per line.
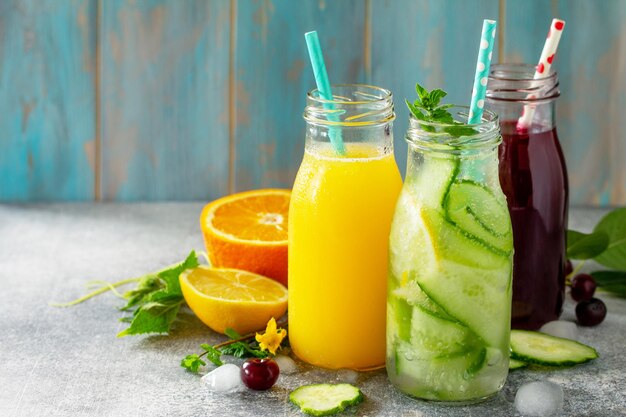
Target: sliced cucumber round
x=436, y=337
x=325, y=399
x=448, y=378
x=476, y=210
x=543, y=349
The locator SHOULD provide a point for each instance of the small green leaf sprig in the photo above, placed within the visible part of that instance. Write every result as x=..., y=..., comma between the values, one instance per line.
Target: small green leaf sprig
x=427, y=108
x=155, y=301
x=606, y=245
x=238, y=346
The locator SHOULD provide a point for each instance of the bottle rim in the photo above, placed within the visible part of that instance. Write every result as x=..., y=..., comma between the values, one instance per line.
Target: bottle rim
x=353, y=105
x=435, y=136
x=516, y=83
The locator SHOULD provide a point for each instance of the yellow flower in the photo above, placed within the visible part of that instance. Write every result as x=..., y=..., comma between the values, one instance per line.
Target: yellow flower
x=272, y=337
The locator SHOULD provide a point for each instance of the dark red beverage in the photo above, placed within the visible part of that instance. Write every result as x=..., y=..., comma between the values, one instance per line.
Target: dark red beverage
x=534, y=179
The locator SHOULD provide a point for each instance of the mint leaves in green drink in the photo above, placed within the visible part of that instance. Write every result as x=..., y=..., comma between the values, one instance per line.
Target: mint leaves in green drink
x=427, y=108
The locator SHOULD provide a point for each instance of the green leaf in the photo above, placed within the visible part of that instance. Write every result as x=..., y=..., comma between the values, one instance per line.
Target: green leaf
x=436, y=95
x=422, y=93
x=459, y=130
x=212, y=354
x=170, y=276
x=156, y=315
x=415, y=110
x=586, y=246
x=427, y=108
x=241, y=349
x=614, y=225
x=232, y=333
x=611, y=281
x=192, y=363
x=147, y=285
x=235, y=349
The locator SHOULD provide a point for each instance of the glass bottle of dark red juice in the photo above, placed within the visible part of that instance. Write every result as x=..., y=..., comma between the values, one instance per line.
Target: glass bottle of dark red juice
x=533, y=177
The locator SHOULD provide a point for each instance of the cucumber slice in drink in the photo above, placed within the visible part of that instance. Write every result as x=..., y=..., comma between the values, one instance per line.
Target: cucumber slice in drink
x=436, y=337
x=543, y=349
x=448, y=378
x=325, y=399
x=411, y=291
x=477, y=211
x=452, y=243
x=475, y=298
x=432, y=185
x=399, y=314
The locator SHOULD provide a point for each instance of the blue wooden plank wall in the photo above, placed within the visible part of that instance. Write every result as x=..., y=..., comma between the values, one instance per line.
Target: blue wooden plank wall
x=190, y=100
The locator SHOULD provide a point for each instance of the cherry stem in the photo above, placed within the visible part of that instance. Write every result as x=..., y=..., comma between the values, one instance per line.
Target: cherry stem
x=568, y=278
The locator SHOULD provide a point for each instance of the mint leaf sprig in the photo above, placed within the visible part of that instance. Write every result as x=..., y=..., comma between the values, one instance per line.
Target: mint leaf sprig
x=238, y=346
x=427, y=108
x=154, y=302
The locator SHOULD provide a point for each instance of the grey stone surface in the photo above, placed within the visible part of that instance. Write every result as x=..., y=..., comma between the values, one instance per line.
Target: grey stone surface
x=68, y=362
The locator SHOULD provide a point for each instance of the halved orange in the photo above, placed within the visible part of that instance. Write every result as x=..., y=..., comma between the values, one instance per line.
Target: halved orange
x=249, y=231
x=241, y=300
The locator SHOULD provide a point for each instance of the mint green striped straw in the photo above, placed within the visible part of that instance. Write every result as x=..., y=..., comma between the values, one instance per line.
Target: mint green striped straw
x=487, y=39
x=323, y=86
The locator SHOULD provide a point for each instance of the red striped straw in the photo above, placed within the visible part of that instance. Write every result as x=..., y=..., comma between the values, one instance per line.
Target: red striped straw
x=543, y=68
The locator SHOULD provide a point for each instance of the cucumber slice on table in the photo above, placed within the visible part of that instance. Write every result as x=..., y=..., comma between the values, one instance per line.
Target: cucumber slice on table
x=325, y=399
x=543, y=349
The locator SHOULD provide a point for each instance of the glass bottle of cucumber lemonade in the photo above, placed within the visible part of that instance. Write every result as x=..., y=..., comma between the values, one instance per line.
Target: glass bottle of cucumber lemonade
x=451, y=249
x=339, y=220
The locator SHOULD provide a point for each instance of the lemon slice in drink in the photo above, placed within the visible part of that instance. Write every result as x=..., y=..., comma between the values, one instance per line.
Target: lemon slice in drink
x=231, y=298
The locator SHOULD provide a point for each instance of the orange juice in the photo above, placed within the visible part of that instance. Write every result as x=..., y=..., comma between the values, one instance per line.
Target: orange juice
x=339, y=221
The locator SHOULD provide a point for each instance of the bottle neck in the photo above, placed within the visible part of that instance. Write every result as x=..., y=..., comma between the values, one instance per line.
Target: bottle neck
x=513, y=91
x=359, y=118
x=510, y=111
x=435, y=152
x=378, y=137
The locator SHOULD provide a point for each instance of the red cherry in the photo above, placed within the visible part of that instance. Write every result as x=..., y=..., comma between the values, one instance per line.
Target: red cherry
x=550, y=58
x=590, y=312
x=558, y=25
x=540, y=68
x=583, y=287
x=259, y=374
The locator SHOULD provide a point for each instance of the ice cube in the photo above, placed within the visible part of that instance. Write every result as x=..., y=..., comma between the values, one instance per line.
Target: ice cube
x=561, y=328
x=347, y=375
x=225, y=378
x=286, y=365
x=539, y=398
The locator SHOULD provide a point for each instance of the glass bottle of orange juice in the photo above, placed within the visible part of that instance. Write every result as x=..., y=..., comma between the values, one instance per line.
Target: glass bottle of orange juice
x=339, y=220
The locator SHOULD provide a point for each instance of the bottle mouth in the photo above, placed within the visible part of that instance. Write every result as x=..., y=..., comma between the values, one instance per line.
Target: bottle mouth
x=516, y=82
x=352, y=105
x=438, y=136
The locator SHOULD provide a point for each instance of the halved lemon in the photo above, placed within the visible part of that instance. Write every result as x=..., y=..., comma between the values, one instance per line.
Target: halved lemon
x=249, y=231
x=241, y=300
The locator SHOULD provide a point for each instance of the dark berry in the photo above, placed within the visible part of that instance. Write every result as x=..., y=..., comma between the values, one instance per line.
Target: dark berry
x=259, y=374
x=583, y=287
x=590, y=312
x=568, y=267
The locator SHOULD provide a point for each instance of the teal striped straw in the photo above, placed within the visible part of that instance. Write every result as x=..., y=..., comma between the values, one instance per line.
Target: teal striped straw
x=487, y=39
x=323, y=86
